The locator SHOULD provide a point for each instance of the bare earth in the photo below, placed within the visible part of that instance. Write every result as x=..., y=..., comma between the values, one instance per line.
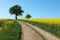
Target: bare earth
x=30, y=32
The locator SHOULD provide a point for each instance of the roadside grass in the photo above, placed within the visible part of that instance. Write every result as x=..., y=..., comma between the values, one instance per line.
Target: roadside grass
x=9, y=29
x=52, y=28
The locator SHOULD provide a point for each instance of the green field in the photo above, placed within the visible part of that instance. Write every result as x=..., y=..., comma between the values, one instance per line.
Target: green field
x=9, y=29
x=52, y=28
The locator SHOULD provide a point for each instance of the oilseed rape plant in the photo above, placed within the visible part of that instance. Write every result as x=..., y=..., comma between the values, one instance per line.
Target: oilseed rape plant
x=0, y=29
x=45, y=20
x=9, y=29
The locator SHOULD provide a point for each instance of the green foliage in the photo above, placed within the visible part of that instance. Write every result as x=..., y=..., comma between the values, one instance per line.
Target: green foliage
x=52, y=28
x=28, y=16
x=16, y=9
x=1, y=22
x=10, y=30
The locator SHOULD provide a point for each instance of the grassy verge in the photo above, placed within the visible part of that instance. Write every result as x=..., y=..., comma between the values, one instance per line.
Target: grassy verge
x=9, y=30
x=52, y=28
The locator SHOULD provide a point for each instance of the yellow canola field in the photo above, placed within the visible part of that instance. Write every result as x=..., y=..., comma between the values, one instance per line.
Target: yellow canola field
x=46, y=20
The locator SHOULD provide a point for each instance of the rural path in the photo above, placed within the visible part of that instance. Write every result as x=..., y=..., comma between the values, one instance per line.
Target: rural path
x=30, y=32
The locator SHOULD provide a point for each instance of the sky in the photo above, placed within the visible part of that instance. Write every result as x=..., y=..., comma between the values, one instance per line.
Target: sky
x=36, y=8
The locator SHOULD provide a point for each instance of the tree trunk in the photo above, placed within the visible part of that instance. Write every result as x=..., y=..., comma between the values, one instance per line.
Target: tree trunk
x=16, y=17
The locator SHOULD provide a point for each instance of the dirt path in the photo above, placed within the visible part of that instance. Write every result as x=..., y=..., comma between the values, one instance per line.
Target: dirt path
x=30, y=32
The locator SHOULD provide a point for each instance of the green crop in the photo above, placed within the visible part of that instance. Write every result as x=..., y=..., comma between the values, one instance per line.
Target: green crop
x=9, y=30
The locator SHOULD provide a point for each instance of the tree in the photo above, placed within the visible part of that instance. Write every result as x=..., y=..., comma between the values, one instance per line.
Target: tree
x=28, y=16
x=16, y=9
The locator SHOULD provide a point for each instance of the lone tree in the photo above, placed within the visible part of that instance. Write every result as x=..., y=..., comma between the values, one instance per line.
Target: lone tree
x=16, y=9
x=28, y=16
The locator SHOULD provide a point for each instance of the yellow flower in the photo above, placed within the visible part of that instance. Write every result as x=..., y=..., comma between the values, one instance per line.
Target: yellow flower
x=10, y=22
x=0, y=29
x=45, y=20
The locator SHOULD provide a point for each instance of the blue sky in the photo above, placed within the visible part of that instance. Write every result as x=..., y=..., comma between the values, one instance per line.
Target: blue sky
x=36, y=8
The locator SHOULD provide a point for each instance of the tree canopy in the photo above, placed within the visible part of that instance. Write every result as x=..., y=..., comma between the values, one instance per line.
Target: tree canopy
x=17, y=10
x=28, y=16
